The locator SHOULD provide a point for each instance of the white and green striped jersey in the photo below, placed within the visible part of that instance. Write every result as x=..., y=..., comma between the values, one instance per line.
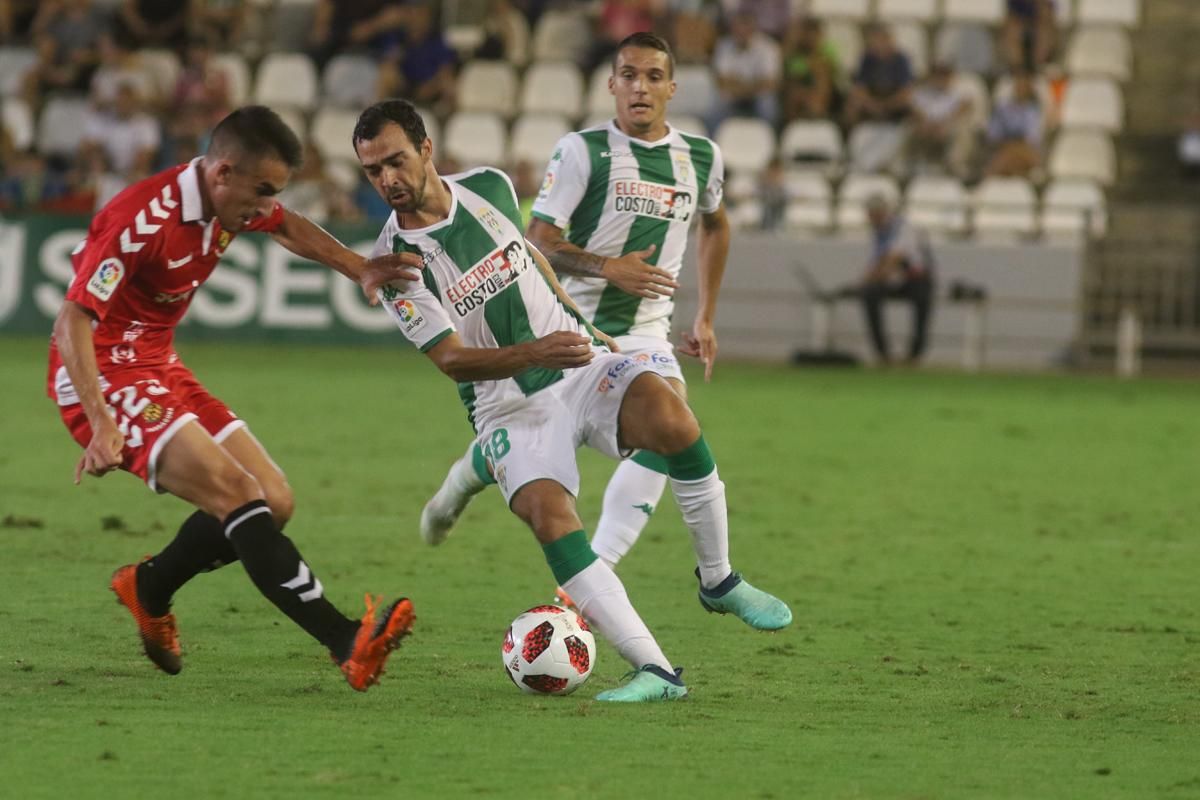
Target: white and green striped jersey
x=479, y=281
x=614, y=195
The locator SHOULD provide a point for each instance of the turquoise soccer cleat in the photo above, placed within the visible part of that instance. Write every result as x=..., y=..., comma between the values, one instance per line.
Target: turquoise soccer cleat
x=649, y=684
x=752, y=606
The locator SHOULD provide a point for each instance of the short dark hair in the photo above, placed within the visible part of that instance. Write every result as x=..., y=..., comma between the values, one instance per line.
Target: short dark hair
x=257, y=132
x=398, y=112
x=648, y=40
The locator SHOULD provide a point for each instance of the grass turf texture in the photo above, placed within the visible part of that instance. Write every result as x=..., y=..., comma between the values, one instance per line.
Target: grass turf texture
x=994, y=581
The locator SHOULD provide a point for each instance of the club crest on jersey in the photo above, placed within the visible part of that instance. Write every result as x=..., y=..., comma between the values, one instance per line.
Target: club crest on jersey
x=652, y=200
x=488, y=278
x=489, y=218
x=223, y=241
x=106, y=277
x=411, y=320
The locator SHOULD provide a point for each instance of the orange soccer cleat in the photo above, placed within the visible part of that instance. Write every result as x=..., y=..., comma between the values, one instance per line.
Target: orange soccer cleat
x=375, y=640
x=160, y=637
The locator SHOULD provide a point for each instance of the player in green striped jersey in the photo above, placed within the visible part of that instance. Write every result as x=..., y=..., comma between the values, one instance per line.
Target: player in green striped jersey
x=537, y=383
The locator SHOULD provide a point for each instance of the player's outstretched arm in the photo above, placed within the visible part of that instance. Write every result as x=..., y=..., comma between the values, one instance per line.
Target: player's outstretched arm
x=630, y=273
x=558, y=350
x=309, y=240
x=712, y=252
x=73, y=335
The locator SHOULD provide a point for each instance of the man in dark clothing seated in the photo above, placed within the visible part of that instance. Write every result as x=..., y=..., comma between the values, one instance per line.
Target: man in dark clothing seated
x=902, y=268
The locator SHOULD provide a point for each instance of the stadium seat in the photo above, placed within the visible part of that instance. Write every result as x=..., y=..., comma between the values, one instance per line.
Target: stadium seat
x=165, y=66
x=61, y=124
x=855, y=190
x=846, y=9
x=1072, y=208
x=1005, y=207
x=974, y=87
x=1083, y=154
x=286, y=79
x=741, y=186
x=747, y=144
x=14, y=63
x=534, y=136
x=847, y=41
x=465, y=38
x=810, y=201
x=237, y=75
x=433, y=128
x=332, y=131
x=595, y=120
x=921, y=10
x=1093, y=103
x=812, y=144
x=970, y=47
x=350, y=80
x=474, y=138
x=875, y=146
x=988, y=12
x=912, y=41
x=294, y=119
x=687, y=123
x=695, y=90
x=1102, y=52
x=18, y=121
x=599, y=99
x=488, y=86
x=552, y=88
x=1108, y=12
x=1065, y=11
x=561, y=35
x=937, y=204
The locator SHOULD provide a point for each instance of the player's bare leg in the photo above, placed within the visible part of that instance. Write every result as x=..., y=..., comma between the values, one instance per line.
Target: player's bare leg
x=467, y=477
x=654, y=417
x=549, y=510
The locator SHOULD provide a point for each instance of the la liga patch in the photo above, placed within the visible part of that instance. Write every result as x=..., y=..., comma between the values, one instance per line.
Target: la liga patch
x=106, y=277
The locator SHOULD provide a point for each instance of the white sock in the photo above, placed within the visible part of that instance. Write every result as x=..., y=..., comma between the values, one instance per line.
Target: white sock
x=702, y=504
x=462, y=475
x=600, y=597
x=633, y=493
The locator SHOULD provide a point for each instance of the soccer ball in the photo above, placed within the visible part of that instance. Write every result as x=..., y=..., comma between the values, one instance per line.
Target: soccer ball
x=548, y=650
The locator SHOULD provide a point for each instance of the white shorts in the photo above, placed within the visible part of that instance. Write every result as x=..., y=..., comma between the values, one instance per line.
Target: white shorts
x=537, y=438
x=634, y=345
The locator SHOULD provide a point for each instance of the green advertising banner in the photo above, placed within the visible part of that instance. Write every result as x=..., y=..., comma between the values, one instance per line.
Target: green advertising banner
x=260, y=291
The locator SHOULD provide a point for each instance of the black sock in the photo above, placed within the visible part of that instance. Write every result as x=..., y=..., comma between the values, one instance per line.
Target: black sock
x=284, y=578
x=200, y=546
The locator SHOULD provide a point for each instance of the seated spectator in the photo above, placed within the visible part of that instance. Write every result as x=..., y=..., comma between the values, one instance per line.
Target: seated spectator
x=882, y=90
x=221, y=23
x=1015, y=131
x=22, y=175
x=941, y=135
x=423, y=71
x=1189, y=144
x=506, y=34
x=120, y=146
x=121, y=65
x=748, y=68
x=1030, y=34
x=154, y=23
x=693, y=29
x=67, y=36
x=373, y=25
x=772, y=17
x=811, y=70
x=199, y=101
x=617, y=20
x=901, y=268
x=772, y=195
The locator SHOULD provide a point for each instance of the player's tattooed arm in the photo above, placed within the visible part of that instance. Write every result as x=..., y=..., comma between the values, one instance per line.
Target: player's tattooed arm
x=566, y=258
x=630, y=273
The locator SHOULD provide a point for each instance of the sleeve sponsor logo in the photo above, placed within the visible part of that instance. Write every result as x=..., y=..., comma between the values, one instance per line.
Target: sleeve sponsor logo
x=488, y=278
x=653, y=200
x=106, y=277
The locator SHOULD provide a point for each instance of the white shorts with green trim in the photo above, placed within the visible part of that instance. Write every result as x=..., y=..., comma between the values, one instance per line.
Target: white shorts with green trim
x=635, y=345
x=536, y=438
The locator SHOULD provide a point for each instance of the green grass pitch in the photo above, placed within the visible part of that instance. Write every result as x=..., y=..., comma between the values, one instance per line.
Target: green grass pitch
x=994, y=581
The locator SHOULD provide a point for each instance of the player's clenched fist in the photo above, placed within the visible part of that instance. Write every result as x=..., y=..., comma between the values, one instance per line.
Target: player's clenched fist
x=561, y=350
x=103, y=453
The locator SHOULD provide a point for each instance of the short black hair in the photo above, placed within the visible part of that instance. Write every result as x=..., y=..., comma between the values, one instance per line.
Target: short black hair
x=256, y=132
x=398, y=112
x=648, y=40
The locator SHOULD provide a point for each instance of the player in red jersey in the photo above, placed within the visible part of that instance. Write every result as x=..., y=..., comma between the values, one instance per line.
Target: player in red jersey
x=132, y=404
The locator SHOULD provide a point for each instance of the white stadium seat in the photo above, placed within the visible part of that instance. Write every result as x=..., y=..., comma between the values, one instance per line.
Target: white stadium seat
x=1101, y=52
x=237, y=75
x=1005, y=207
x=855, y=191
x=488, y=86
x=553, y=88
x=974, y=87
x=534, y=136
x=848, y=9
x=875, y=146
x=14, y=63
x=922, y=10
x=911, y=40
x=970, y=47
x=937, y=204
x=747, y=144
x=433, y=128
x=61, y=124
x=332, y=131
x=350, y=80
x=561, y=35
x=286, y=79
x=475, y=138
x=810, y=201
x=599, y=99
x=695, y=90
x=18, y=121
x=686, y=123
x=1072, y=208
x=294, y=119
x=165, y=67
x=847, y=41
x=1108, y=12
x=988, y=12
x=1093, y=103
x=812, y=143
x=1083, y=154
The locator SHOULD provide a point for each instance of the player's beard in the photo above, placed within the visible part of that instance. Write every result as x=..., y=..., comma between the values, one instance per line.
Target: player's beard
x=416, y=197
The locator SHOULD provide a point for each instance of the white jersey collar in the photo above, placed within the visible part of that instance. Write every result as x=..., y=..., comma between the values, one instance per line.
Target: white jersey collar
x=612, y=128
x=189, y=189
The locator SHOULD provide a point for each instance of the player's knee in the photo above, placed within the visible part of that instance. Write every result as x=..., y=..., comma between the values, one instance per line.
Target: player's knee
x=677, y=432
x=235, y=487
x=281, y=500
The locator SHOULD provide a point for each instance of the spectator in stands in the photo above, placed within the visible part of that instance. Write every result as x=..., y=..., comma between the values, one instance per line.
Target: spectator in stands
x=307, y=190
x=423, y=71
x=882, y=90
x=772, y=195
x=506, y=34
x=772, y=17
x=121, y=65
x=1030, y=34
x=374, y=25
x=811, y=70
x=618, y=19
x=154, y=23
x=1015, y=131
x=1189, y=144
x=67, y=36
x=693, y=29
x=219, y=22
x=16, y=19
x=198, y=102
x=748, y=67
x=901, y=267
x=120, y=146
x=22, y=175
x=941, y=135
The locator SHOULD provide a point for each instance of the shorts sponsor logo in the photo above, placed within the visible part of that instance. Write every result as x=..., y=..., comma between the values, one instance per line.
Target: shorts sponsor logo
x=488, y=278
x=106, y=277
x=652, y=200
x=617, y=371
x=411, y=320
